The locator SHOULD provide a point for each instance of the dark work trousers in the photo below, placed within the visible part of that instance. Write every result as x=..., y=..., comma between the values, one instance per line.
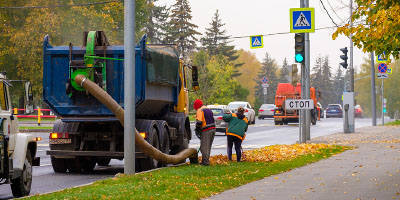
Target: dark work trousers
x=207, y=138
x=238, y=143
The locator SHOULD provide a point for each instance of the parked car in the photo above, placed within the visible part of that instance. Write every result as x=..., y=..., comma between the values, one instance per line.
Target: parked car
x=358, y=111
x=218, y=112
x=320, y=110
x=249, y=111
x=334, y=110
x=266, y=111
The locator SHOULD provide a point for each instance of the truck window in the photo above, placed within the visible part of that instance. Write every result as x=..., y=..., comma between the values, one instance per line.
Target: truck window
x=3, y=97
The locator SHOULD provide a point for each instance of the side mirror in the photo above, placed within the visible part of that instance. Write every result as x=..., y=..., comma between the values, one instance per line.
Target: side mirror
x=195, y=78
x=28, y=98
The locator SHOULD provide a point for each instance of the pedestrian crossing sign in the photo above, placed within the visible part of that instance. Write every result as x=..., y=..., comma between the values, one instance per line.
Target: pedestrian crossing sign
x=256, y=41
x=381, y=58
x=302, y=20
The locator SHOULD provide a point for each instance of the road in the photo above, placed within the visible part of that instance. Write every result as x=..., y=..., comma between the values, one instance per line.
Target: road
x=263, y=133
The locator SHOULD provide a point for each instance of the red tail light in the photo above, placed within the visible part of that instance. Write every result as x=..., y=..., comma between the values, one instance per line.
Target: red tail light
x=247, y=110
x=278, y=111
x=58, y=135
x=261, y=110
x=219, y=118
x=272, y=110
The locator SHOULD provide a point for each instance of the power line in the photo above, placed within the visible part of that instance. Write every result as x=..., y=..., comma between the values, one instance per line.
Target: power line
x=280, y=33
x=328, y=13
x=59, y=6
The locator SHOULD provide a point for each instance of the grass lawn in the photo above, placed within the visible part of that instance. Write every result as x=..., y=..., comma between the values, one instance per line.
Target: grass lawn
x=35, y=119
x=35, y=127
x=394, y=123
x=188, y=181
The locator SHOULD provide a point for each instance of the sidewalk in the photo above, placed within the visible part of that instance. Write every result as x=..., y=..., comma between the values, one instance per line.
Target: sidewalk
x=370, y=171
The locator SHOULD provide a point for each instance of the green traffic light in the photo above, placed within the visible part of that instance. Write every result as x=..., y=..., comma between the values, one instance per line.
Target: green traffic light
x=299, y=58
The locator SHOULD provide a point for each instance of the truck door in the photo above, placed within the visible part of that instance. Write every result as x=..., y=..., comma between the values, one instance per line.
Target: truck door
x=10, y=123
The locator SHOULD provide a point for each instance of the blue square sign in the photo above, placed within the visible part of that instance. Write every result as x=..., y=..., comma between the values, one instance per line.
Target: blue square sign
x=256, y=41
x=302, y=20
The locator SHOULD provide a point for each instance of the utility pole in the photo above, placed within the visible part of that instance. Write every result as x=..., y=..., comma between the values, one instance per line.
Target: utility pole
x=351, y=109
x=129, y=87
x=307, y=78
x=373, y=94
x=303, y=115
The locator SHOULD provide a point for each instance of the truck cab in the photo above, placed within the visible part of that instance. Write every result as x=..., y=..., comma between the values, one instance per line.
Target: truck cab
x=17, y=150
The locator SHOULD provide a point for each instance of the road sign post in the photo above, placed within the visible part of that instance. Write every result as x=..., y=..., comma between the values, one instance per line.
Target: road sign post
x=302, y=20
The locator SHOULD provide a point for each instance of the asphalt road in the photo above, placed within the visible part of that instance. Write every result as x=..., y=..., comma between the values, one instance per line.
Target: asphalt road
x=263, y=133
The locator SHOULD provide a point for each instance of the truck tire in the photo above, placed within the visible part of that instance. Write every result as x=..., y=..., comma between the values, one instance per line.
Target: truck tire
x=103, y=161
x=150, y=163
x=74, y=165
x=276, y=122
x=59, y=165
x=88, y=165
x=21, y=186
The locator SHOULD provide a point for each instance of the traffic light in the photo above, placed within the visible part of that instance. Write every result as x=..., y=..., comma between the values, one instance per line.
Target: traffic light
x=344, y=57
x=299, y=47
x=293, y=74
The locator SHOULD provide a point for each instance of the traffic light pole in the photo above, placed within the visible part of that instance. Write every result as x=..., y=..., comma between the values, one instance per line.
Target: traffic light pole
x=351, y=114
x=307, y=79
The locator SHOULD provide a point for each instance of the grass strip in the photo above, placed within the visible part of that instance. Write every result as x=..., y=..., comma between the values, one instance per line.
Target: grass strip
x=35, y=127
x=189, y=181
x=394, y=123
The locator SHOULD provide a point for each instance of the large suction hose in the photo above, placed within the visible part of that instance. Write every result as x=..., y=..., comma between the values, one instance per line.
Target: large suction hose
x=143, y=145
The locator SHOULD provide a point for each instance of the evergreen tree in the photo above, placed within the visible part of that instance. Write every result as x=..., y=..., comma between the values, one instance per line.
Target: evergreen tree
x=284, y=73
x=268, y=70
x=156, y=27
x=338, y=82
x=181, y=31
x=216, y=42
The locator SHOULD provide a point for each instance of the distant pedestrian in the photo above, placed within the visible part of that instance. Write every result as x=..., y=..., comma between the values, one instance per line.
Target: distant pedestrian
x=236, y=132
x=205, y=126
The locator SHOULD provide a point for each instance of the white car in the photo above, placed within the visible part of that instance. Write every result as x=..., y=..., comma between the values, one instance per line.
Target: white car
x=248, y=110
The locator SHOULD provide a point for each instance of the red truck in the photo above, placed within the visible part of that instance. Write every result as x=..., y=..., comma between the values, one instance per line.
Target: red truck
x=288, y=91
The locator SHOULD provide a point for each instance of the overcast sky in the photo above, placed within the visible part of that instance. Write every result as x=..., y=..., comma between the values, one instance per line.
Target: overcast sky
x=260, y=17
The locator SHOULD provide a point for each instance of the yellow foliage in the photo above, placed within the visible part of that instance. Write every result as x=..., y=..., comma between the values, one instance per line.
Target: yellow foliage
x=272, y=153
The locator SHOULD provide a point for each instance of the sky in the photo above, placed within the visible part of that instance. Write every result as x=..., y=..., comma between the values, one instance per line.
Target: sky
x=260, y=17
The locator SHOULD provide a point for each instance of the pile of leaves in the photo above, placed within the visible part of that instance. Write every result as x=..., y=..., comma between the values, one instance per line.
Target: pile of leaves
x=272, y=153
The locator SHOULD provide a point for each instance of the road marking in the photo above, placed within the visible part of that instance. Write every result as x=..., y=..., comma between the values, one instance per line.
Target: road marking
x=43, y=145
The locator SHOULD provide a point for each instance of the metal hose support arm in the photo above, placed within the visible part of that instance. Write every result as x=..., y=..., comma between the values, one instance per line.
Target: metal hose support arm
x=143, y=145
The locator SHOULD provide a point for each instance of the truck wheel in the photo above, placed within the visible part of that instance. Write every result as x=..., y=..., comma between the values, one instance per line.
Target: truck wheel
x=21, y=186
x=88, y=164
x=74, y=165
x=149, y=163
x=58, y=164
x=103, y=161
x=276, y=122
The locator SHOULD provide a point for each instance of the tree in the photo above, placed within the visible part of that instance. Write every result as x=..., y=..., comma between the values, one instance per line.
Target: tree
x=215, y=41
x=377, y=27
x=215, y=80
x=248, y=73
x=182, y=31
x=338, y=82
x=268, y=69
x=284, y=72
x=156, y=27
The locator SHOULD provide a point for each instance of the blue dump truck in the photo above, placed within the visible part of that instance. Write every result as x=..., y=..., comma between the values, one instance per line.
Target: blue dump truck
x=87, y=132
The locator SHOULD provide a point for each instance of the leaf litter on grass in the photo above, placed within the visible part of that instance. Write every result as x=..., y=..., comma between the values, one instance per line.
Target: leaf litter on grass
x=272, y=153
